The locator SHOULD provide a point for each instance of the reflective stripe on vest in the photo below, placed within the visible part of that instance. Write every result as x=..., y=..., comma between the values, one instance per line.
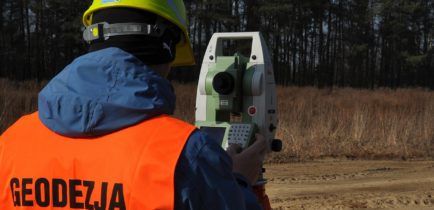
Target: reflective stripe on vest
x=132, y=168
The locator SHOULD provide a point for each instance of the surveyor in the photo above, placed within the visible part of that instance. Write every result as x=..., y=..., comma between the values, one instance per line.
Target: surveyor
x=103, y=137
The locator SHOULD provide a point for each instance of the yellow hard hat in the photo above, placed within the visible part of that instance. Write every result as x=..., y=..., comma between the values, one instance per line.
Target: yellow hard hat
x=171, y=10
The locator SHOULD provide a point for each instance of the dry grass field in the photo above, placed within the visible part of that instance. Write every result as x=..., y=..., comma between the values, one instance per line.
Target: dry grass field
x=313, y=123
x=17, y=99
x=356, y=123
x=345, y=123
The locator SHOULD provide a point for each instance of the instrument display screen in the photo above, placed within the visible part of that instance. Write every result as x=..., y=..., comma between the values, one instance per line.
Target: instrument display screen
x=216, y=133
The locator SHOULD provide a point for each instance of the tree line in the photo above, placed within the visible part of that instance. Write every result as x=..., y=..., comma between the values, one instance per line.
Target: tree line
x=324, y=43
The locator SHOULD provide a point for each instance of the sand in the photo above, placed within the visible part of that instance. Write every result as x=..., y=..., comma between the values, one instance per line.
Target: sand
x=336, y=184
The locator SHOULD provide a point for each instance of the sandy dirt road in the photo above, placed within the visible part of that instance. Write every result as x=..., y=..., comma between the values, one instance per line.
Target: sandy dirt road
x=332, y=184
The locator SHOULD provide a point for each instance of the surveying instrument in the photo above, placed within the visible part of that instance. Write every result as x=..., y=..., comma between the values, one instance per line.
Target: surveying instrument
x=236, y=97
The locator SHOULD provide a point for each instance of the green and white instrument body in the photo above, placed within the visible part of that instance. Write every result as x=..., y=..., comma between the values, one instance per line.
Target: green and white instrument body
x=236, y=95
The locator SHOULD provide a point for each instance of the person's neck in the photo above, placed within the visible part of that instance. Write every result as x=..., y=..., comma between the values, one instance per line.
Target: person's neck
x=161, y=69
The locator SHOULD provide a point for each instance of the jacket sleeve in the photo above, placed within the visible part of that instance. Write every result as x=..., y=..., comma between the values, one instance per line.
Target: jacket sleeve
x=204, y=179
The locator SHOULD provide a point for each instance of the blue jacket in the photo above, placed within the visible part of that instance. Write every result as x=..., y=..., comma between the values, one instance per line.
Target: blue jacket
x=107, y=90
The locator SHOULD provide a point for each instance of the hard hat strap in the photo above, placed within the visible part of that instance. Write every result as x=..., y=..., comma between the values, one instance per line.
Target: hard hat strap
x=103, y=31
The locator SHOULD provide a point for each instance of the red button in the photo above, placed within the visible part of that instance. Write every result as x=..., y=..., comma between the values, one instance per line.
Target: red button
x=252, y=110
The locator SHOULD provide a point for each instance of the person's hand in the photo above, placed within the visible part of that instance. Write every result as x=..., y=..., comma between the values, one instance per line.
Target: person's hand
x=249, y=162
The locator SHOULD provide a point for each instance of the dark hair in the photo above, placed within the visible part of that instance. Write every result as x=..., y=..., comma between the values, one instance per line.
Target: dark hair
x=150, y=50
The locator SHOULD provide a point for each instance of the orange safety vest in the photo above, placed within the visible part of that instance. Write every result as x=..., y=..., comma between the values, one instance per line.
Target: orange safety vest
x=132, y=168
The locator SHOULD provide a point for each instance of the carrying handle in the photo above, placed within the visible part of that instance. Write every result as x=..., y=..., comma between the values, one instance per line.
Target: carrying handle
x=215, y=48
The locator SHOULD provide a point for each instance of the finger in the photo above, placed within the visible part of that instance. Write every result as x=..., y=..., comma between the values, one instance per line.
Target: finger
x=260, y=145
x=256, y=152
